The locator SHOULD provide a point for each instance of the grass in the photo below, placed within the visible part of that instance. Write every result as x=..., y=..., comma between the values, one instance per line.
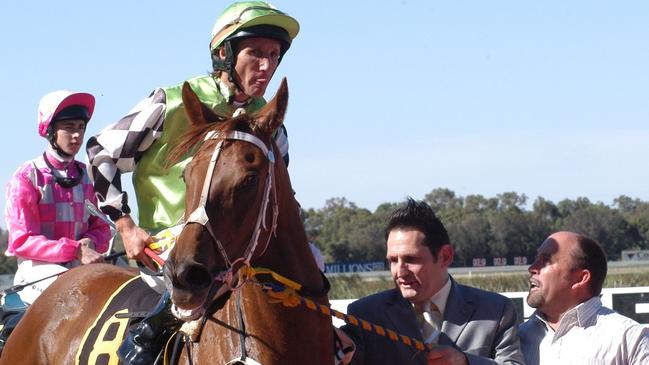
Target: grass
x=351, y=287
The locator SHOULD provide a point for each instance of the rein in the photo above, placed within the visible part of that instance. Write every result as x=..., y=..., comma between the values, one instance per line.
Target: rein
x=281, y=290
x=286, y=292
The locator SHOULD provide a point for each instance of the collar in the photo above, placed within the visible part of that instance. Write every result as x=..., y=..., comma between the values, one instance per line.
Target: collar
x=441, y=297
x=581, y=315
x=228, y=92
x=56, y=160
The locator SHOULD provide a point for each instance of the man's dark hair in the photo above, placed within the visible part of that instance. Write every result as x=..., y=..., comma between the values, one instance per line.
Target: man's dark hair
x=589, y=255
x=420, y=216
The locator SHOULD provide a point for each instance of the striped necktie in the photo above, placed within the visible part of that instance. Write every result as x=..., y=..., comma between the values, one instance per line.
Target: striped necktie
x=430, y=321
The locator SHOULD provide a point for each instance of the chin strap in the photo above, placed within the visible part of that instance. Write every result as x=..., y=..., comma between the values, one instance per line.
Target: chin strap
x=226, y=65
x=56, y=150
x=60, y=151
x=51, y=137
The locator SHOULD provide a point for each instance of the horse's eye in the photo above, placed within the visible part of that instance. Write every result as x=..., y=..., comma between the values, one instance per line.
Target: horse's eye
x=249, y=181
x=250, y=157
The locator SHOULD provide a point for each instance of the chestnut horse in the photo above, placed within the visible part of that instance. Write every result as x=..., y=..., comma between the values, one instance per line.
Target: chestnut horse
x=240, y=212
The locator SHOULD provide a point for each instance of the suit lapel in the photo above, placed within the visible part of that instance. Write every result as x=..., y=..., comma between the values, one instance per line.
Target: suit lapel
x=459, y=309
x=400, y=317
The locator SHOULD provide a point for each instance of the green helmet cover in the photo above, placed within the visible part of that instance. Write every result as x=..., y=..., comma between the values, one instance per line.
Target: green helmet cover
x=249, y=14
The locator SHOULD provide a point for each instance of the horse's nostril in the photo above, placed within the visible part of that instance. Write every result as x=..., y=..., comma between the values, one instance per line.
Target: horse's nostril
x=194, y=276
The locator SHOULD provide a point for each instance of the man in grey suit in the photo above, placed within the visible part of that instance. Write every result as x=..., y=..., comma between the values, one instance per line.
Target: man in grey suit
x=477, y=327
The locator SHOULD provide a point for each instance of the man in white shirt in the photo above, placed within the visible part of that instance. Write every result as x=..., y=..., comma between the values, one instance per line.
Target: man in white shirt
x=570, y=325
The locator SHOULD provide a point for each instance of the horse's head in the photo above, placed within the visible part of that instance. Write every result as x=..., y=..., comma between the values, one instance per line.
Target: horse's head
x=231, y=199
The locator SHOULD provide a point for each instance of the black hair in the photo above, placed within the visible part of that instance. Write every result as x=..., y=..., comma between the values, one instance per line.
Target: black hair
x=589, y=255
x=420, y=216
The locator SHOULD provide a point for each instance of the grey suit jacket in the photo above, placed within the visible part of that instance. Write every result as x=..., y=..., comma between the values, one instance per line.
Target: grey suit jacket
x=479, y=323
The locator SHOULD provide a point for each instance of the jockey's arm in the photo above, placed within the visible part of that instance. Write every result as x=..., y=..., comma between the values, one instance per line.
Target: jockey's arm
x=117, y=150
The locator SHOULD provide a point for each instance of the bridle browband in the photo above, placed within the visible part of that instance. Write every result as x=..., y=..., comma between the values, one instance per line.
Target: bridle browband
x=199, y=215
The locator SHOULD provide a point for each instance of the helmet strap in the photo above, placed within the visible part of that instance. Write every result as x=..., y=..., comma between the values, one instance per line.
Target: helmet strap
x=226, y=64
x=51, y=137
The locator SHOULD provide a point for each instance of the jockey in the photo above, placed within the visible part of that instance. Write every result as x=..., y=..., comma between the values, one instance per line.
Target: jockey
x=49, y=227
x=247, y=44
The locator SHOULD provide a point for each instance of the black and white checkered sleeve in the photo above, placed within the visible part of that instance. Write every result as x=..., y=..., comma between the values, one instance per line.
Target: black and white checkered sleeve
x=281, y=139
x=118, y=148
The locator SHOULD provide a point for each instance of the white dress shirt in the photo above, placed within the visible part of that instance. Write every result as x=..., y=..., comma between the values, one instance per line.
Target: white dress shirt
x=587, y=334
x=438, y=299
x=441, y=297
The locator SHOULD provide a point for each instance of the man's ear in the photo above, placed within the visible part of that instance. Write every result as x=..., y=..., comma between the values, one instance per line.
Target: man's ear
x=445, y=255
x=581, y=279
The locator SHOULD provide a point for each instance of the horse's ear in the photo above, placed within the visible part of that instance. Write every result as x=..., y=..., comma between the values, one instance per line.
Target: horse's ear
x=271, y=116
x=197, y=112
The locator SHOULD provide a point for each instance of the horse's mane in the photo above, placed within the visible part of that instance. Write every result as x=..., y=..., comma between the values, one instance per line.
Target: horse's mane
x=195, y=136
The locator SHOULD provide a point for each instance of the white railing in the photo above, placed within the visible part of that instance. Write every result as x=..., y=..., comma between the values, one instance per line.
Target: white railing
x=631, y=302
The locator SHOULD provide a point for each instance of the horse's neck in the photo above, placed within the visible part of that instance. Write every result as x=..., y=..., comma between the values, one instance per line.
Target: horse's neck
x=289, y=254
x=292, y=257
x=288, y=251
x=274, y=333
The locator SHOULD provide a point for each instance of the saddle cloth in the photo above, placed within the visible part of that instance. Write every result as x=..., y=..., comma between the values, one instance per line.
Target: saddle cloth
x=101, y=341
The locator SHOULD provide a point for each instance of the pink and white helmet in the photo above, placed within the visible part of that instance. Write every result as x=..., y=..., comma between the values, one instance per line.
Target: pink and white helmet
x=53, y=103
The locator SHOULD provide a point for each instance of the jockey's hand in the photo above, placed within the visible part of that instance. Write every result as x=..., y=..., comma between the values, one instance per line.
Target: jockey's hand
x=87, y=253
x=134, y=239
x=446, y=355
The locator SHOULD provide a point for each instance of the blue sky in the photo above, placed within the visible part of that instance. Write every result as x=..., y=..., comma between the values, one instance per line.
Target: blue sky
x=387, y=98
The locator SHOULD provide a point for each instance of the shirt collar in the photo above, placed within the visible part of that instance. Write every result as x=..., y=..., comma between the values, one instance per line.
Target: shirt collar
x=228, y=93
x=581, y=315
x=59, y=162
x=441, y=297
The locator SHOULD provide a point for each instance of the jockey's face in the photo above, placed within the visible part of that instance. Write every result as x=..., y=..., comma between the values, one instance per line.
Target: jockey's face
x=255, y=63
x=69, y=135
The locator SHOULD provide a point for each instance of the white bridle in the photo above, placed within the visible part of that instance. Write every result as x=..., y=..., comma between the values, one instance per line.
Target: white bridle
x=199, y=215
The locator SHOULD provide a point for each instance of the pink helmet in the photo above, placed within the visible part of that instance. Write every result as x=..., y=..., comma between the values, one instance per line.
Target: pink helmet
x=53, y=103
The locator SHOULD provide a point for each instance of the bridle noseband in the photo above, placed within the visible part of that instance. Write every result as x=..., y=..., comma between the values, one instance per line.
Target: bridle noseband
x=199, y=215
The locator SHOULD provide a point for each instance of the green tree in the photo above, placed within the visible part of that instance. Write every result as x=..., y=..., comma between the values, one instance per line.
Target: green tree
x=442, y=199
x=605, y=225
x=510, y=227
x=345, y=232
x=636, y=212
x=471, y=237
x=542, y=219
x=481, y=226
x=479, y=204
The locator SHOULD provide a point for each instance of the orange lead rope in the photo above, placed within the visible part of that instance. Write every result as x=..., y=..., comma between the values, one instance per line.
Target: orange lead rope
x=285, y=292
